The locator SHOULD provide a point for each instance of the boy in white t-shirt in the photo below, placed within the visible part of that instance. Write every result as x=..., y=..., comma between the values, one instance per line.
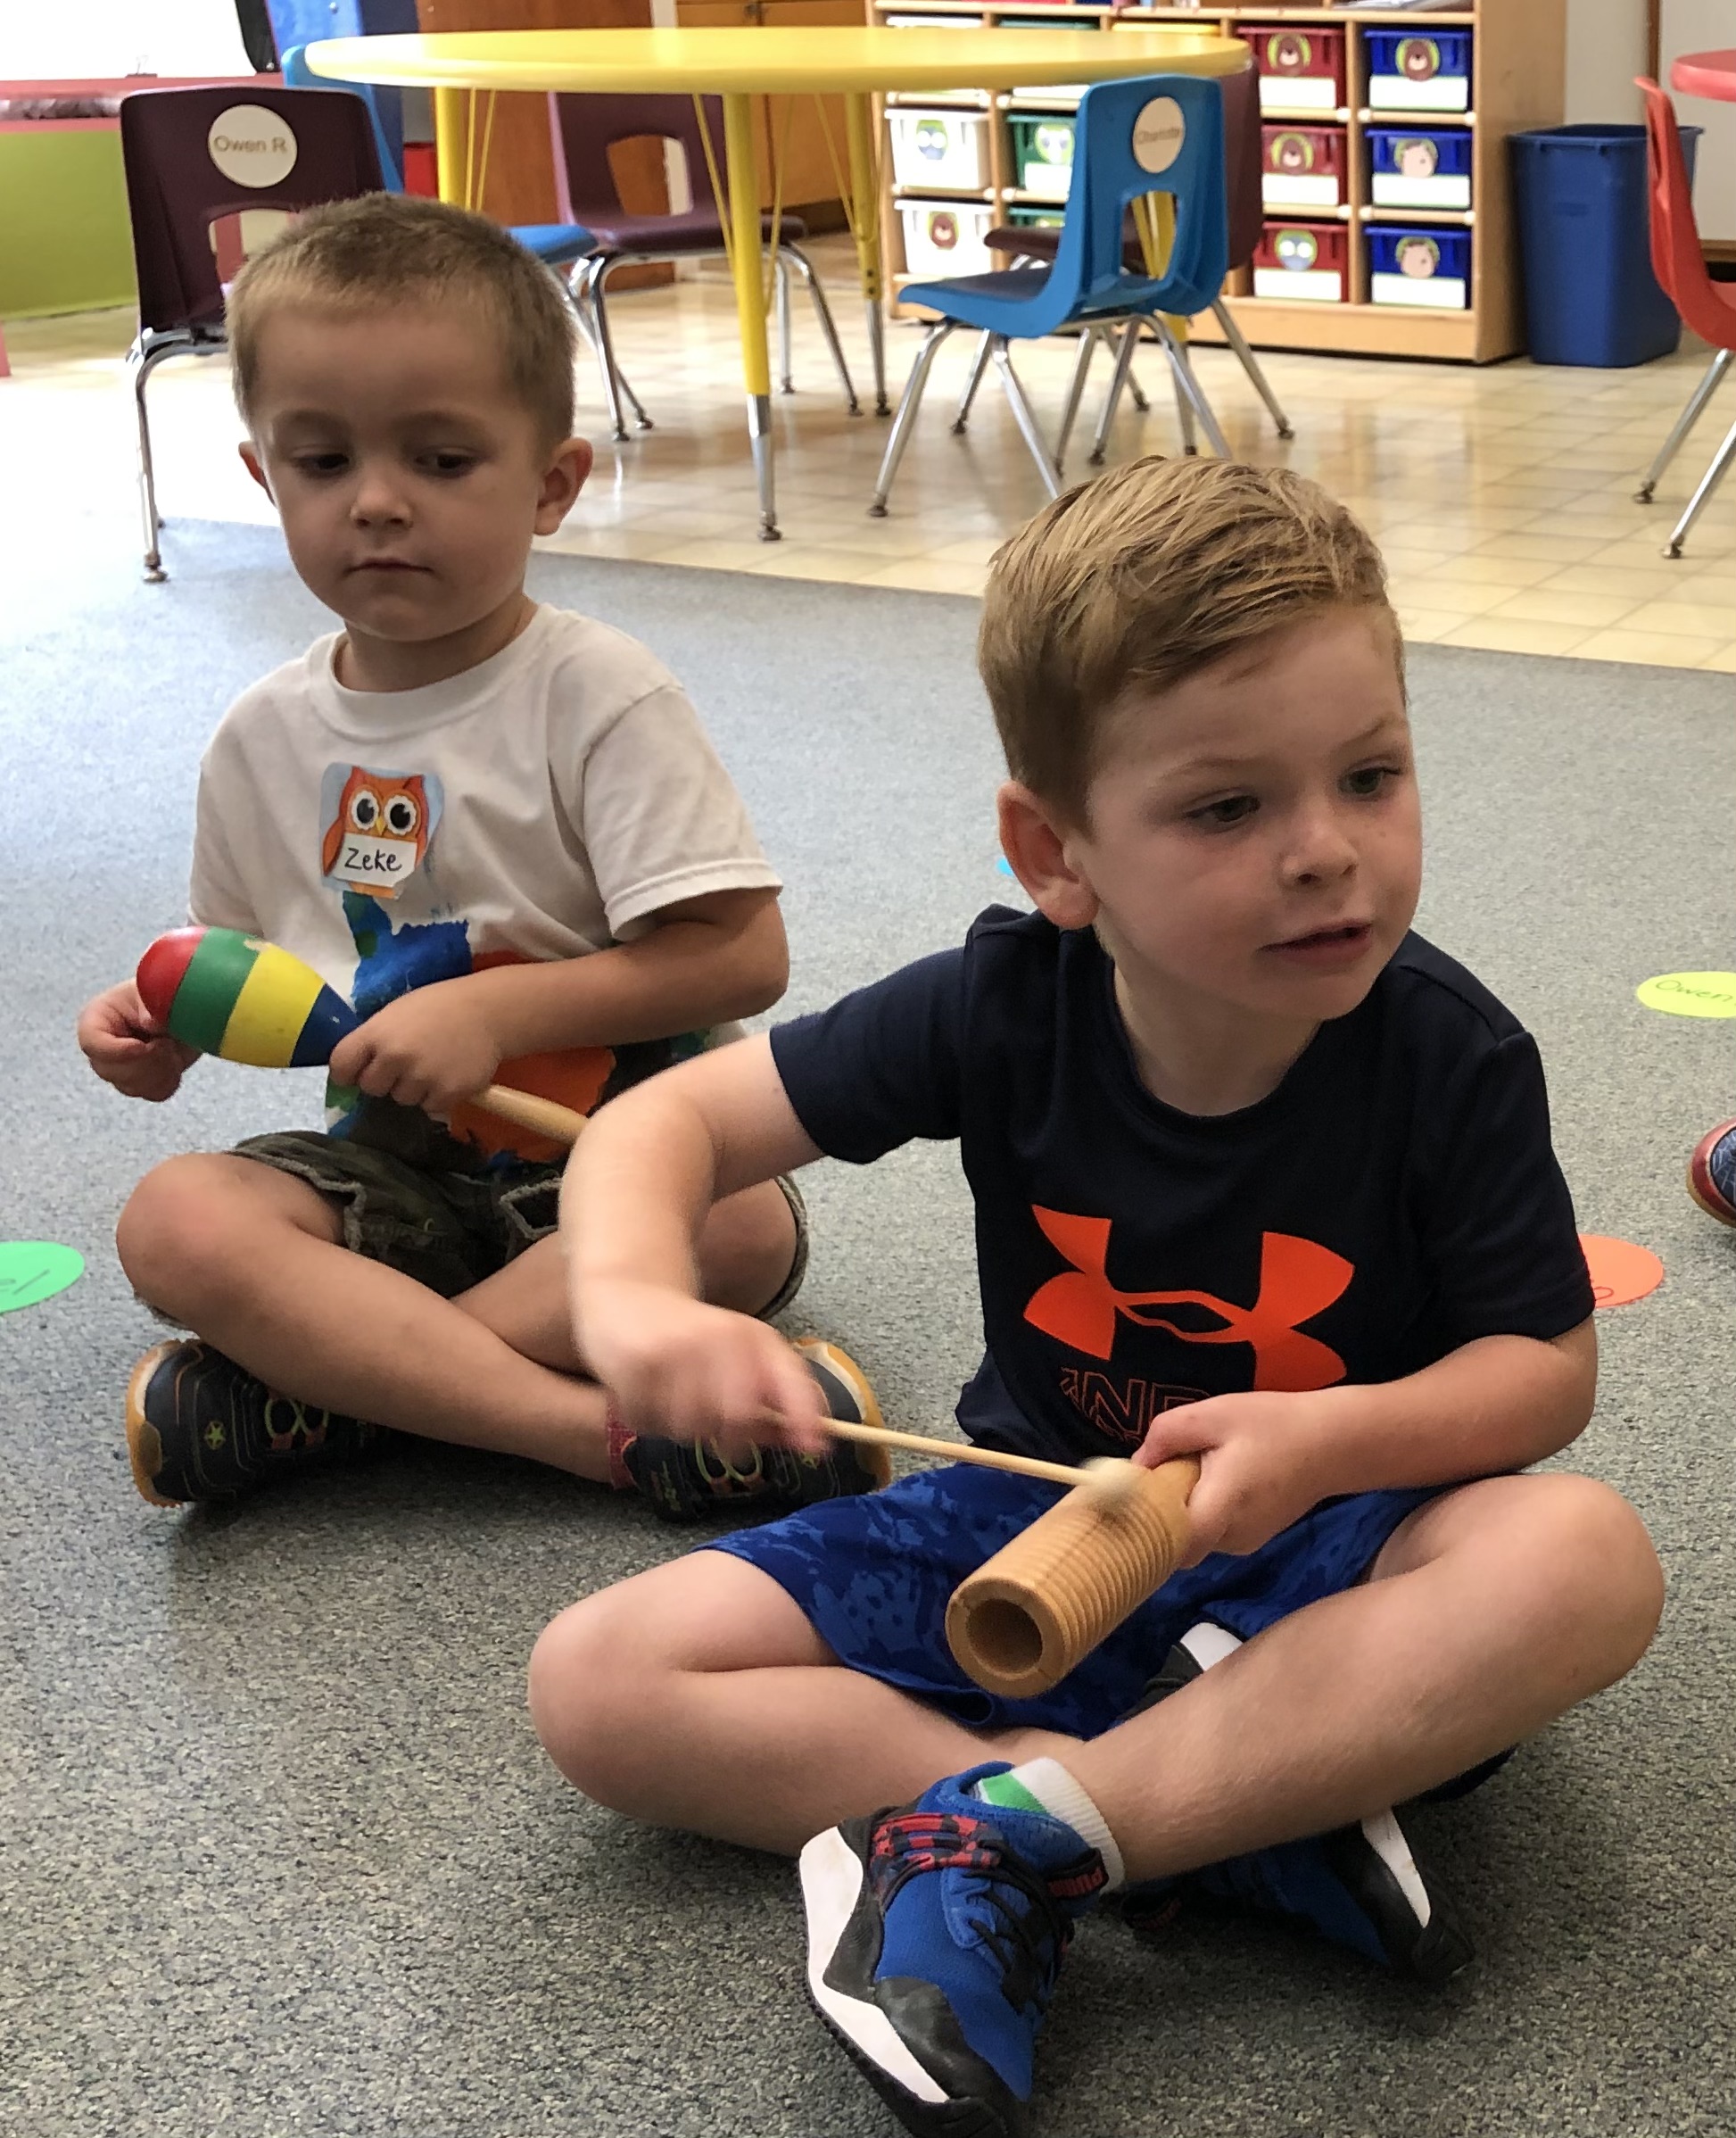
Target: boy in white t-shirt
x=500, y=830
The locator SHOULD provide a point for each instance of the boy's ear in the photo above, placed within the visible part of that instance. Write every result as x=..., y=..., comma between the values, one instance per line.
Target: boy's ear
x=250, y=461
x=1038, y=849
x=562, y=481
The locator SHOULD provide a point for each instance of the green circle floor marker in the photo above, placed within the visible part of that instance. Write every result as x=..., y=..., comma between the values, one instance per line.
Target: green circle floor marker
x=34, y=1269
x=1690, y=994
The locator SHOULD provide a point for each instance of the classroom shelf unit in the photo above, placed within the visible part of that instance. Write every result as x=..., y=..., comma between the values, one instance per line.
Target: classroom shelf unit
x=1515, y=70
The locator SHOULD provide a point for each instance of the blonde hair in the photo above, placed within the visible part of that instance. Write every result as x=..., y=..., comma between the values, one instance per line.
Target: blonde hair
x=393, y=248
x=1138, y=580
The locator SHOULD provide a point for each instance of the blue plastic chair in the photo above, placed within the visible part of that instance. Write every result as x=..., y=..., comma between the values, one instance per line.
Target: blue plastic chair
x=1160, y=134
x=559, y=244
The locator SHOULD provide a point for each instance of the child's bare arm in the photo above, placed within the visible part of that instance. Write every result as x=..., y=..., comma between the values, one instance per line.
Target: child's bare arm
x=124, y=1047
x=1499, y=1403
x=708, y=960
x=640, y=1184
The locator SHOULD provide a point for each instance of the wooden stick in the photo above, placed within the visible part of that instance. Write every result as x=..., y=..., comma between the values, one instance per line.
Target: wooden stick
x=959, y=1451
x=559, y=1123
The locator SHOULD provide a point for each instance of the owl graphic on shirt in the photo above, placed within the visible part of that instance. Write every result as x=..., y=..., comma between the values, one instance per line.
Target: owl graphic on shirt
x=377, y=826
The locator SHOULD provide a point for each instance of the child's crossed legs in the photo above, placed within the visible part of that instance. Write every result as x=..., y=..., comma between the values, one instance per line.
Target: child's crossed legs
x=699, y=1696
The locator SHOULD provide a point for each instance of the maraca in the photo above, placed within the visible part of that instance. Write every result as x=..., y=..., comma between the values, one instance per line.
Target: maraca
x=245, y=1000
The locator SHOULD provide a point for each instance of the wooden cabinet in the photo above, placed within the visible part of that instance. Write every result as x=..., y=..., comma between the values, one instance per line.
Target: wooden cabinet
x=790, y=127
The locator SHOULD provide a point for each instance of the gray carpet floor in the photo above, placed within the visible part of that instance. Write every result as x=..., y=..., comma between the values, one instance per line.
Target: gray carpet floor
x=279, y=1851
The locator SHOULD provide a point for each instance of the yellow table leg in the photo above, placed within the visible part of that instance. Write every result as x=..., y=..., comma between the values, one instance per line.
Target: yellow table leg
x=449, y=109
x=865, y=224
x=749, y=271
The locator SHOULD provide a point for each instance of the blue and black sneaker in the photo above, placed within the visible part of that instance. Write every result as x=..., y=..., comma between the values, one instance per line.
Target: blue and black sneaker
x=1359, y=1885
x=1712, y=1172
x=935, y=1935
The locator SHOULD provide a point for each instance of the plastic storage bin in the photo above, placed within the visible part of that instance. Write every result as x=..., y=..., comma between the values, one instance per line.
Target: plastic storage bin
x=1301, y=65
x=1418, y=265
x=1580, y=208
x=1042, y=153
x=944, y=149
x=945, y=237
x=1302, y=166
x=1305, y=262
x=1410, y=72
x=1036, y=219
x=1419, y=166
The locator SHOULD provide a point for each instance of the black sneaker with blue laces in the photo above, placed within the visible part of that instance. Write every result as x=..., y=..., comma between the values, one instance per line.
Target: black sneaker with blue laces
x=1360, y=1885
x=936, y=1931
x=1712, y=1172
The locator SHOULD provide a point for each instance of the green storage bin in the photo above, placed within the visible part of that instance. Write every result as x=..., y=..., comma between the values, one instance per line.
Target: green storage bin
x=1041, y=152
x=1036, y=219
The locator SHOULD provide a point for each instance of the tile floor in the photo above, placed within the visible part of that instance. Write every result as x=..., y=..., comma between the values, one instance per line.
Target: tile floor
x=1502, y=496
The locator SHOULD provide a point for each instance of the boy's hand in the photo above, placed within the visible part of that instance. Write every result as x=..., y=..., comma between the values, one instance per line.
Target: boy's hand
x=123, y=1045
x=1257, y=1467
x=430, y=1048
x=676, y=1367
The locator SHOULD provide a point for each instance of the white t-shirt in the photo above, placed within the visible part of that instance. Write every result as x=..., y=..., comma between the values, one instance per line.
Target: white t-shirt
x=544, y=804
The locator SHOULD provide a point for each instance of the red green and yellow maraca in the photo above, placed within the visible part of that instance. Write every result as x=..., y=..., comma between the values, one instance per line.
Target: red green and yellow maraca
x=244, y=1000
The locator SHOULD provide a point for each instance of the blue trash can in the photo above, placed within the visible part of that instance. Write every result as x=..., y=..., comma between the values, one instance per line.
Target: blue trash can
x=1579, y=194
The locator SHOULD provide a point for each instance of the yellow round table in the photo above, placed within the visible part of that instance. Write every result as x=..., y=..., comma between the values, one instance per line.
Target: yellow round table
x=742, y=64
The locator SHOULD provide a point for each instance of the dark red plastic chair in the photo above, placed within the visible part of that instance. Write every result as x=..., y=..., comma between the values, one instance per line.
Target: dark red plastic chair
x=180, y=197
x=1243, y=170
x=1707, y=307
x=583, y=129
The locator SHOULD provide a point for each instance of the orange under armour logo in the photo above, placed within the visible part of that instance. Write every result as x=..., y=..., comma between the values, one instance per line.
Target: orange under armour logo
x=1298, y=1280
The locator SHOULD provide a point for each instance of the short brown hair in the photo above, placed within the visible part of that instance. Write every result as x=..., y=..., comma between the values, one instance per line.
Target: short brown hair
x=394, y=248
x=1136, y=581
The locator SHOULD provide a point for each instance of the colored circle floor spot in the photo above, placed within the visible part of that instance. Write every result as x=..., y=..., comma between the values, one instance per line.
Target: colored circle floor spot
x=1690, y=994
x=1621, y=1273
x=34, y=1269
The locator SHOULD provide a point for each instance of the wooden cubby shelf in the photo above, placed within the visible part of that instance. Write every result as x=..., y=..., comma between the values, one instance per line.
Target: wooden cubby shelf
x=1517, y=49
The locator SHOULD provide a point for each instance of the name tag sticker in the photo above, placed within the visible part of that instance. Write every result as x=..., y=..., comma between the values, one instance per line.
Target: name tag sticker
x=377, y=826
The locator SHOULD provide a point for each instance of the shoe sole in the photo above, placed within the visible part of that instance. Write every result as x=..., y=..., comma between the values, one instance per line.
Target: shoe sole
x=144, y=1443
x=1700, y=1187
x=839, y=1363
x=831, y=1876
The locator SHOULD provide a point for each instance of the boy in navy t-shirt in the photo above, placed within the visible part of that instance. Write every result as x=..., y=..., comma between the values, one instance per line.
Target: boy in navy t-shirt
x=1259, y=1175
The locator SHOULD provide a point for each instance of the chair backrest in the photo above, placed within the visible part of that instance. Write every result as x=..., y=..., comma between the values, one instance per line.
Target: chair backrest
x=1162, y=133
x=1676, y=259
x=585, y=128
x=296, y=22
x=193, y=157
x=298, y=75
x=1245, y=164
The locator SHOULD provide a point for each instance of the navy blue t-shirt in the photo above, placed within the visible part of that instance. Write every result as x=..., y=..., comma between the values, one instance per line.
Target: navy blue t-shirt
x=1395, y=1198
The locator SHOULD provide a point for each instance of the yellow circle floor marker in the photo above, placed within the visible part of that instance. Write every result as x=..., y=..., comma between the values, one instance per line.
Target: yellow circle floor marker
x=1690, y=994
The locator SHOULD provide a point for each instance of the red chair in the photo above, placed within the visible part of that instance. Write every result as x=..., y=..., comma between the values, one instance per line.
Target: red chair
x=1707, y=307
x=1242, y=162
x=585, y=128
x=182, y=150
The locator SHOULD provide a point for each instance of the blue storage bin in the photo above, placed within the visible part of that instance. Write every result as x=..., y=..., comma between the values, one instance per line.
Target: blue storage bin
x=1418, y=70
x=1419, y=264
x=1419, y=166
x=1580, y=202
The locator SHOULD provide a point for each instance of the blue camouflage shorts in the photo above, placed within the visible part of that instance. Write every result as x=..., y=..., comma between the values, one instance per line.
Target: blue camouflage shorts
x=873, y=1575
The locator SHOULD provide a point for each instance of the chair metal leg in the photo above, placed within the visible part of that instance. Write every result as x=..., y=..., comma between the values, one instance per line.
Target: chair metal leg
x=1187, y=384
x=780, y=280
x=823, y=313
x=580, y=299
x=1684, y=423
x=1249, y=363
x=1708, y=483
x=979, y=365
x=144, y=361
x=590, y=297
x=1025, y=417
x=1190, y=442
x=1136, y=395
x=1087, y=344
x=905, y=419
x=1118, y=380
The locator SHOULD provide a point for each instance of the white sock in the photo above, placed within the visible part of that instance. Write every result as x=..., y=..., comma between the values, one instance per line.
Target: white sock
x=1046, y=1784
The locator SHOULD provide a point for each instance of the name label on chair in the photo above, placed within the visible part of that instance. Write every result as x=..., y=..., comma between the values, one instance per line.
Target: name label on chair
x=251, y=146
x=1158, y=134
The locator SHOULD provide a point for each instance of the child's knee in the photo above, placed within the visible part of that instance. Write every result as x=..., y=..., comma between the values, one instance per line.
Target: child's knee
x=173, y=1232
x=1598, y=1557
x=592, y=1690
